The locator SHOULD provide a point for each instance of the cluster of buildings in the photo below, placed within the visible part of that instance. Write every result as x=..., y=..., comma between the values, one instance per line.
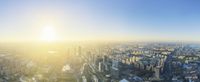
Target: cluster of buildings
x=20, y=68
x=115, y=62
x=152, y=62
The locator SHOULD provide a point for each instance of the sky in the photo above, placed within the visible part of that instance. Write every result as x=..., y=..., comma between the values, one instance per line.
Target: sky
x=174, y=20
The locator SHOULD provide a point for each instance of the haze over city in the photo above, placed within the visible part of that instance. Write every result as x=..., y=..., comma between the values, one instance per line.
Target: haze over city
x=99, y=41
x=79, y=20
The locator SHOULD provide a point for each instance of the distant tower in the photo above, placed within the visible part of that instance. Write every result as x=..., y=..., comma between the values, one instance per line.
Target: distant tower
x=157, y=72
x=79, y=50
x=105, y=59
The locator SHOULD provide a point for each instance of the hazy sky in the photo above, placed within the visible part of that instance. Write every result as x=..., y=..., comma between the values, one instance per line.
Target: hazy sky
x=101, y=19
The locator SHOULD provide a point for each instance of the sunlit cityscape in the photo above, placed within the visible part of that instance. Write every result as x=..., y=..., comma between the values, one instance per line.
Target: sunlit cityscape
x=99, y=41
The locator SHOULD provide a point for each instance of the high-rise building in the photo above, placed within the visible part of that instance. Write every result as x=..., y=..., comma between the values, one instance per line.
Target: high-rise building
x=94, y=78
x=79, y=50
x=84, y=79
x=157, y=72
x=101, y=67
x=115, y=69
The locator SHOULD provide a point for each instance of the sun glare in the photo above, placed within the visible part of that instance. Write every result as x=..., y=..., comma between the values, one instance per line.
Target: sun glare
x=49, y=34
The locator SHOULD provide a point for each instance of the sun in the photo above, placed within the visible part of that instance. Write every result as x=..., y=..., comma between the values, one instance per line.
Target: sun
x=49, y=34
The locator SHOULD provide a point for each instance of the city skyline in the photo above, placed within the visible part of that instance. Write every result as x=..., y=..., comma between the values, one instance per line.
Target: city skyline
x=99, y=41
x=133, y=20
